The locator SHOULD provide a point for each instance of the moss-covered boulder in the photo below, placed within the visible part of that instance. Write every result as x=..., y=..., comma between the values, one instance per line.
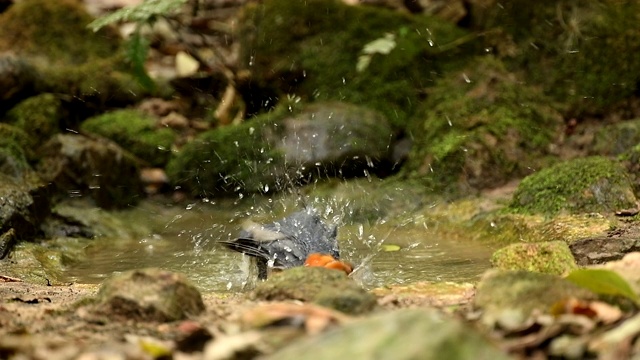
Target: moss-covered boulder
x=23, y=205
x=17, y=80
x=326, y=287
x=136, y=132
x=508, y=298
x=13, y=156
x=582, y=52
x=593, y=184
x=616, y=139
x=404, y=334
x=55, y=32
x=96, y=168
x=553, y=257
x=480, y=128
x=68, y=57
x=40, y=117
x=150, y=295
x=282, y=148
x=313, y=49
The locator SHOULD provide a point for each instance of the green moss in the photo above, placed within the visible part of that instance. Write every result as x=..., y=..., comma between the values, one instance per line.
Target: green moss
x=616, y=139
x=135, y=132
x=227, y=159
x=582, y=52
x=39, y=116
x=545, y=257
x=70, y=58
x=13, y=161
x=311, y=48
x=480, y=132
x=593, y=184
x=326, y=287
x=55, y=30
x=15, y=134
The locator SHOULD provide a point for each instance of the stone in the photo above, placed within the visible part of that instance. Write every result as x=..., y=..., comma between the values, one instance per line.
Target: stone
x=79, y=166
x=150, y=295
x=404, y=334
x=325, y=287
x=551, y=257
x=516, y=294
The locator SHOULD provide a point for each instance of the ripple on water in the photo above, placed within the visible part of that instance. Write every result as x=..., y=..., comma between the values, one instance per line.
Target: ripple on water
x=187, y=244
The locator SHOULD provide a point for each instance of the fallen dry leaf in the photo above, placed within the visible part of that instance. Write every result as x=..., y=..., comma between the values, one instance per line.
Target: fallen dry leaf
x=313, y=318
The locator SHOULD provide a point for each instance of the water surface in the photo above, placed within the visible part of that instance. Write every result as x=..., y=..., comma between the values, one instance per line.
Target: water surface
x=184, y=239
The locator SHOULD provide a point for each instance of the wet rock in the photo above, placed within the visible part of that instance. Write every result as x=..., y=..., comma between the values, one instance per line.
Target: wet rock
x=403, y=334
x=508, y=298
x=17, y=80
x=13, y=149
x=283, y=148
x=593, y=184
x=39, y=116
x=552, y=257
x=602, y=249
x=137, y=133
x=23, y=205
x=150, y=295
x=37, y=264
x=80, y=166
x=326, y=287
x=481, y=132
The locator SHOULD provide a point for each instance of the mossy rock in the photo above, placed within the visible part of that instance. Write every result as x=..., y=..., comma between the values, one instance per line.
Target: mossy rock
x=56, y=31
x=553, y=257
x=13, y=161
x=616, y=139
x=593, y=184
x=226, y=159
x=17, y=136
x=39, y=116
x=276, y=150
x=581, y=52
x=312, y=48
x=139, y=134
x=631, y=160
x=326, y=287
x=481, y=132
x=511, y=296
x=420, y=333
x=90, y=167
x=150, y=295
x=68, y=57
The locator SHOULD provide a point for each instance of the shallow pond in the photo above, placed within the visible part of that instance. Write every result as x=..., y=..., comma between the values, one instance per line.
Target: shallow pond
x=184, y=239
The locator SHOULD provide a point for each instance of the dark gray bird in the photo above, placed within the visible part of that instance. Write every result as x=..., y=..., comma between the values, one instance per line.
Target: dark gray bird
x=288, y=242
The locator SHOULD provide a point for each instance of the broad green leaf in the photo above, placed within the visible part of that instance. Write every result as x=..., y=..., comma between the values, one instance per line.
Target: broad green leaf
x=603, y=282
x=146, y=12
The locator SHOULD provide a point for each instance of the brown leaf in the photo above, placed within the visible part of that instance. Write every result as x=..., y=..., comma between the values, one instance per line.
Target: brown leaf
x=313, y=318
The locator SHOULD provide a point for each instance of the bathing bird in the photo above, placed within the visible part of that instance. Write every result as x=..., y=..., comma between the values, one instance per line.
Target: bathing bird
x=300, y=239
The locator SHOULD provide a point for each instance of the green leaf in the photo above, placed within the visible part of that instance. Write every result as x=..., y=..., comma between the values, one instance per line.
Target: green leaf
x=137, y=48
x=145, y=12
x=390, y=247
x=603, y=282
